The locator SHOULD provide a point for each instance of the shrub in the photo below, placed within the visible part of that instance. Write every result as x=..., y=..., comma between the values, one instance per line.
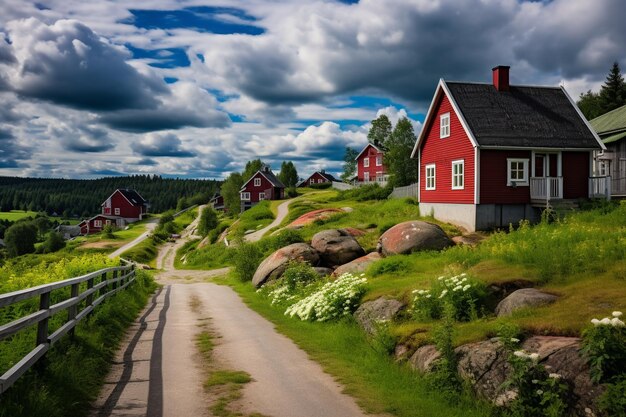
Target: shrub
x=283, y=238
x=258, y=212
x=613, y=400
x=108, y=230
x=208, y=221
x=465, y=295
x=20, y=238
x=246, y=260
x=333, y=300
x=604, y=347
x=444, y=376
x=215, y=233
x=292, y=192
x=53, y=243
x=299, y=274
x=321, y=186
x=365, y=193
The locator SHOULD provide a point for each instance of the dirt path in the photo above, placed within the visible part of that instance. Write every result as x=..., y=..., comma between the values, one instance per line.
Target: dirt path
x=283, y=210
x=150, y=225
x=159, y=373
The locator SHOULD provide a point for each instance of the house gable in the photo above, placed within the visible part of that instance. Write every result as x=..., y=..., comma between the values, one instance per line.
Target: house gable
x=450, y=156
x=372, y=168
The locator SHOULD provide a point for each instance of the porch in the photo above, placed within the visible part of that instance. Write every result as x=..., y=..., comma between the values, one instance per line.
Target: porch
x=546, y=189
x=381, y=180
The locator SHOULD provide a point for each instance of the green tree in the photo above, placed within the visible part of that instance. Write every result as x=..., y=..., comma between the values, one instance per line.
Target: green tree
x=380, y=131
x=288, y=174
x=349, y=166
x=613, y=91
x=182, y=204
x=54, y=242
x=43, y=225
x=589, y=104
x=20, y=238
x=251, y=168
x=208, y=221
x=400, y=166
x=230, y=192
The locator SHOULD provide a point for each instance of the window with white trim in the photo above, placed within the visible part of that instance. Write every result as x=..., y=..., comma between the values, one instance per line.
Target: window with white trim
x=366, y=177
x=366, y=162
x=245, y=196
x=458, y=174
x=602, y=168
x=261, y=196
x=117, y=211
x=97, y=223
x=430, y=177
x=444, y=125
x=319, y=180
x=379, y=160
x=257, y=182
x=517, y=172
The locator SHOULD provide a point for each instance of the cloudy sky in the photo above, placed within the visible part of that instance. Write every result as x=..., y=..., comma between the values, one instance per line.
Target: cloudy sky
x=196, y=88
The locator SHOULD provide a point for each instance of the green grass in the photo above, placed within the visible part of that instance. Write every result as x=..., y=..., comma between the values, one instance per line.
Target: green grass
x=186, y=218
x=73, y=371
x=209, y=257
x=223, y=377
x=144, y=252
x=15, y=215
x=379, y=384
x=254, y=219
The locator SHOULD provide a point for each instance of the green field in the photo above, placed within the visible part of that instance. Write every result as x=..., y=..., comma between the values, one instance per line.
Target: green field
x=15, y=215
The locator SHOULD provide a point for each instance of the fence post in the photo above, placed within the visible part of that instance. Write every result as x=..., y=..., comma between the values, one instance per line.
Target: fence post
x=103, y=290
x=114, y=277
x=89, y=299
x=42, y=326
x=73, y=310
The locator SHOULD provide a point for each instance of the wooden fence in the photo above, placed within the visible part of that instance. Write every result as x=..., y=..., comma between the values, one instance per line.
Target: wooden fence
x=342, y=186
x=97, y=286
x=407, y=191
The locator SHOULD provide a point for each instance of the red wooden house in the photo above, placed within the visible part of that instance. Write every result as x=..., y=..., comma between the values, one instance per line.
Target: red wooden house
x=125, y=203
x=370, y=167
x=97, y=223
x=318, y=177
x=263, y=185
x=217, y=202
x=493, y=154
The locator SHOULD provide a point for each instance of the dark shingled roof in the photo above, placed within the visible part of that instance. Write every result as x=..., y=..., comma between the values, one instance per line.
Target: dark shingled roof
x=272, y=178
x=133, y=196
x=522, y=117
x=328, y=176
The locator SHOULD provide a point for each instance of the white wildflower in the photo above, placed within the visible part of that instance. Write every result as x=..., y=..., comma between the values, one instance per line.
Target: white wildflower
x=514, y=340
x=534, y=356
x=467, y=287
x=617, y=314
x=615, y=322
x=595, y=322
x=443, y=293
x=539, y=392
x=605, y=321
x=520, y=354
x=535, y=381
x=555, y=376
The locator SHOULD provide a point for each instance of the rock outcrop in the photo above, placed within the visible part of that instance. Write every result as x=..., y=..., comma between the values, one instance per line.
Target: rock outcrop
x=370, y=312
x=357, y=266
x=336, y=247
x=424, y=358
x=413, y=236
x=274, y=265
x=310, y=217
x=525, y=297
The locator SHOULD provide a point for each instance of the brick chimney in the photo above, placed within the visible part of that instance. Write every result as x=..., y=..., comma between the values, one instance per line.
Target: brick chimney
x=501, y=77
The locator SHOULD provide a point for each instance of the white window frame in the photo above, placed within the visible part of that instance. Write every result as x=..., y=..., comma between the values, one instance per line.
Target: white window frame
x=261, y=196
x=245, y=196
x=444, y=125
x=430, y=177
x=519, y=182
x=366, y=177
x=366, y=162
x=379, y=160
x=603, y=168
x=97, y=223
x=257, y=182
x=319, y=180
x=116, y=210
x=458, y=175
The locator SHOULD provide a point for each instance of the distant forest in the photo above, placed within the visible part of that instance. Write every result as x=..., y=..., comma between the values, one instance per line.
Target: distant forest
x=82, y=198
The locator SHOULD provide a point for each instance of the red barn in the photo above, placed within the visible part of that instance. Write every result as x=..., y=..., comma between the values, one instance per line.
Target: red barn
x=494, y=154
x=125, y=203
x=263, y=185
x=97, y=223
x=217, y=202
x=318, y=177
x=370, y=167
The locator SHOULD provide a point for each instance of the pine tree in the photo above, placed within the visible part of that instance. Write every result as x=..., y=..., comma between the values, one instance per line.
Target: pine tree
x=613, y=91
x=288, y=174
x=230, y=192
x=380, y=131
x=400, y=167
x=251, y=168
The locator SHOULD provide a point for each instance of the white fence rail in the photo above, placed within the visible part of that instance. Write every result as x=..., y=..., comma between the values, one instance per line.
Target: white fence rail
x=546, y=188
x=600, y=187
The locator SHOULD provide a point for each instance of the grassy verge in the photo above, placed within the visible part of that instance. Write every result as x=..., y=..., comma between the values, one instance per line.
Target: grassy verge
x=379, y=384
x=15, y=215
x=254, y=219
x=144, y=252
x=73, y=371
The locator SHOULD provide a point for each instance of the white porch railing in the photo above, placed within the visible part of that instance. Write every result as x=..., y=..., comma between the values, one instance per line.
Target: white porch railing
x=600, y=187
x=380, y=180
x=546, y=188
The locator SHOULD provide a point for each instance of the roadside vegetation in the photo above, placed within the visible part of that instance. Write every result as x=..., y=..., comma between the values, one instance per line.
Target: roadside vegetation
x=70, y=376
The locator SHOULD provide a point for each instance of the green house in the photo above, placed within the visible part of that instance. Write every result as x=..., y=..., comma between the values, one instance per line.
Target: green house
x=611, y=127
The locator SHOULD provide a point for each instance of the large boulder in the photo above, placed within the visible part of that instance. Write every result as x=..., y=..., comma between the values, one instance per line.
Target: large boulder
x=485, y=366
x=357, y=266
x=413, y=236
x=312, y=216
x=525, y=297
x=336, y=247
x=425, y=358
x=380, y=309
x=274, y=265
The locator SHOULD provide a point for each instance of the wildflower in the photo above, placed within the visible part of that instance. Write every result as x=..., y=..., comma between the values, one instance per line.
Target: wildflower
x=467, y=287
x=440, y=278
x=605, y=321
x=427, y=295
x=457, y=288
x=595, y=322
x=534, y=356
x=555, y=376
x=520, y=354
x=535, y=381
x=443, y=293
x=617, y=314
x=539, y=392
x=514, y=340
x=615, y=322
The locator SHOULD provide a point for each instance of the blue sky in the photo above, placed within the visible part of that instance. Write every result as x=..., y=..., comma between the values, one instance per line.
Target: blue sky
x=195, y=89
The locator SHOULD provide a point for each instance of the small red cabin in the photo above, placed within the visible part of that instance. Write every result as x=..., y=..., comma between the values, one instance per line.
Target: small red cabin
x=494, y=154
x=125, y=203
x=263, y=185
x=370, y=167
x=318, y=177
x=217, y=202
x=97, y=223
